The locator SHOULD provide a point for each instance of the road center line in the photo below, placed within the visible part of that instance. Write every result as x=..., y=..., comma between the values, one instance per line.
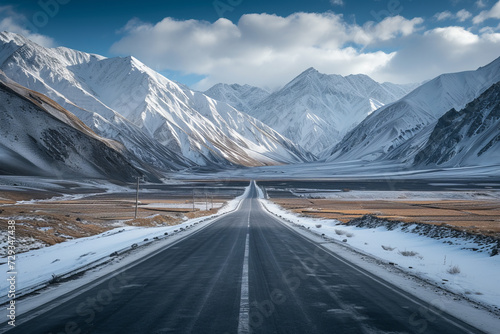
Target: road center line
x=244, y=320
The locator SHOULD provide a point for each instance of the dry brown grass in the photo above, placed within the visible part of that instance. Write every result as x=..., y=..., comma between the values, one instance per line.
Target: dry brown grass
x=56, y=221
x=477, y=216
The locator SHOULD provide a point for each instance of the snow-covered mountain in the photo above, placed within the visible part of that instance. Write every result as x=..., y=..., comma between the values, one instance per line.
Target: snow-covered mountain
x=39, y=137
x=164, y=124
x=386, y=133
x=316, y=110
x=467, y=137
x=242, y=97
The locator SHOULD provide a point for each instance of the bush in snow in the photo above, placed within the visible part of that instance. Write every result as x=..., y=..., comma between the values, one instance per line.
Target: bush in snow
x=453, y=270
x=408, y=253
x=55, y=278
x=340, y=232
x=388, y=248
x=318, y=225
x=349, y=235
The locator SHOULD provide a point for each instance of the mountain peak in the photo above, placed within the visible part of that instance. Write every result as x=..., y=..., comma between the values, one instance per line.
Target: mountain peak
x=308, y=72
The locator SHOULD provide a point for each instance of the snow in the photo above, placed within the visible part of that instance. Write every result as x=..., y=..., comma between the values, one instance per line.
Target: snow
x=163, y=123
x=401, y=195
x=400, y=122
x=243, y=98
x=479, y=272
x=197, y=205
x=36, y=267
x=316, y=110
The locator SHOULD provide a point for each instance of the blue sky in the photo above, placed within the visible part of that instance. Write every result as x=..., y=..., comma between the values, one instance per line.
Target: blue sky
x=263, y=43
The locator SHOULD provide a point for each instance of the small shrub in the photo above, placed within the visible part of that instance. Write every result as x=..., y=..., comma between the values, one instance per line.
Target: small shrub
x=408, y=253
x=349, y=235
x=340, y=232
x=453, y=270
x=55, y=278
x=388, y=248
x=318, y=225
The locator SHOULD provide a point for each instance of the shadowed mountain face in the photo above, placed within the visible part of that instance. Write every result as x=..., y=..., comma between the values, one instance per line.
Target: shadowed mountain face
x=39, y=137
x=399, y=130
x=470, y=136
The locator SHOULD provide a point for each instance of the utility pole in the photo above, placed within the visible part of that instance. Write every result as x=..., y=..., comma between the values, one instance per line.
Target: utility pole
x=137, y=197
x=193, y=200
x=206, y=202
x=212, y=197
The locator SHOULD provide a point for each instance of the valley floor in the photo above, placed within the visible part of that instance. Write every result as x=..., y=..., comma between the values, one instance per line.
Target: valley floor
x=48, y=211
x=458, y=262
x=444, y=272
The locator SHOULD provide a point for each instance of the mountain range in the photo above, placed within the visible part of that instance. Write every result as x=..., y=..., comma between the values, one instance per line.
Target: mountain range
x=39, y=137
x=124, y=119
x=314, y=110
x=468, y=136
x=161, y=122
x=400, y=129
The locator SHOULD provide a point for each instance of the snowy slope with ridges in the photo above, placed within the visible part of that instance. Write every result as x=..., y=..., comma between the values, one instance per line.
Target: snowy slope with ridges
x=316, y=110
x=39, y=137
x=392, y=126
x=241, y=97
x=123, y=99
x=470, y=136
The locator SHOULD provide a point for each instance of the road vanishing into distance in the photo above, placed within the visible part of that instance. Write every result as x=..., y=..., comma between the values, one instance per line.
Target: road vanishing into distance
x=245, y=273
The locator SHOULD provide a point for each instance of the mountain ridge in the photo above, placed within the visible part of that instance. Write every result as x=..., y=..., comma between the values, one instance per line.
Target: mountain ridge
x=316, y=109
x=390, y=127
x=147, y=108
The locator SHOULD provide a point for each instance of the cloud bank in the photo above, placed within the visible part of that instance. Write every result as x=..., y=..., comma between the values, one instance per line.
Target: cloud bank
x=262, y=49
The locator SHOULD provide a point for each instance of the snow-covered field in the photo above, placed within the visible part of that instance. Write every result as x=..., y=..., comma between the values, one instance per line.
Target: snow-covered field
x=399, y=195
x=445, y=262
x=197, y=205
x=37, y=267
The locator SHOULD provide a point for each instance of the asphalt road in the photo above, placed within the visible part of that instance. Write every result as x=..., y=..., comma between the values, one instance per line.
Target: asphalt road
x=245, y=273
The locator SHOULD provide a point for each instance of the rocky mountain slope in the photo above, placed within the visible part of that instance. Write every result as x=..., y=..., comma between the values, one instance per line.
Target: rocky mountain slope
x=242, y=97
x=39, y=137
x=470, y=136
x=316, y=110
x=164, y=124
x=399, y=130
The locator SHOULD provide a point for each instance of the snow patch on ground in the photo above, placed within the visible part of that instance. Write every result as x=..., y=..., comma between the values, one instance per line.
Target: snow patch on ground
x=452, y=265
x=37, y=267
x=400, y=195
x=197, y=205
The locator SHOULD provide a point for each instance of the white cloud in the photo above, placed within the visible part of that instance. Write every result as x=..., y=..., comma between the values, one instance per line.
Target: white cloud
x=444, y=15
x=480, y=4
x=14, y=22
x=493, y=13
x=442, y=50
x=269, y=50
x=461, y=15
x=337, y=2
x=262, y=49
